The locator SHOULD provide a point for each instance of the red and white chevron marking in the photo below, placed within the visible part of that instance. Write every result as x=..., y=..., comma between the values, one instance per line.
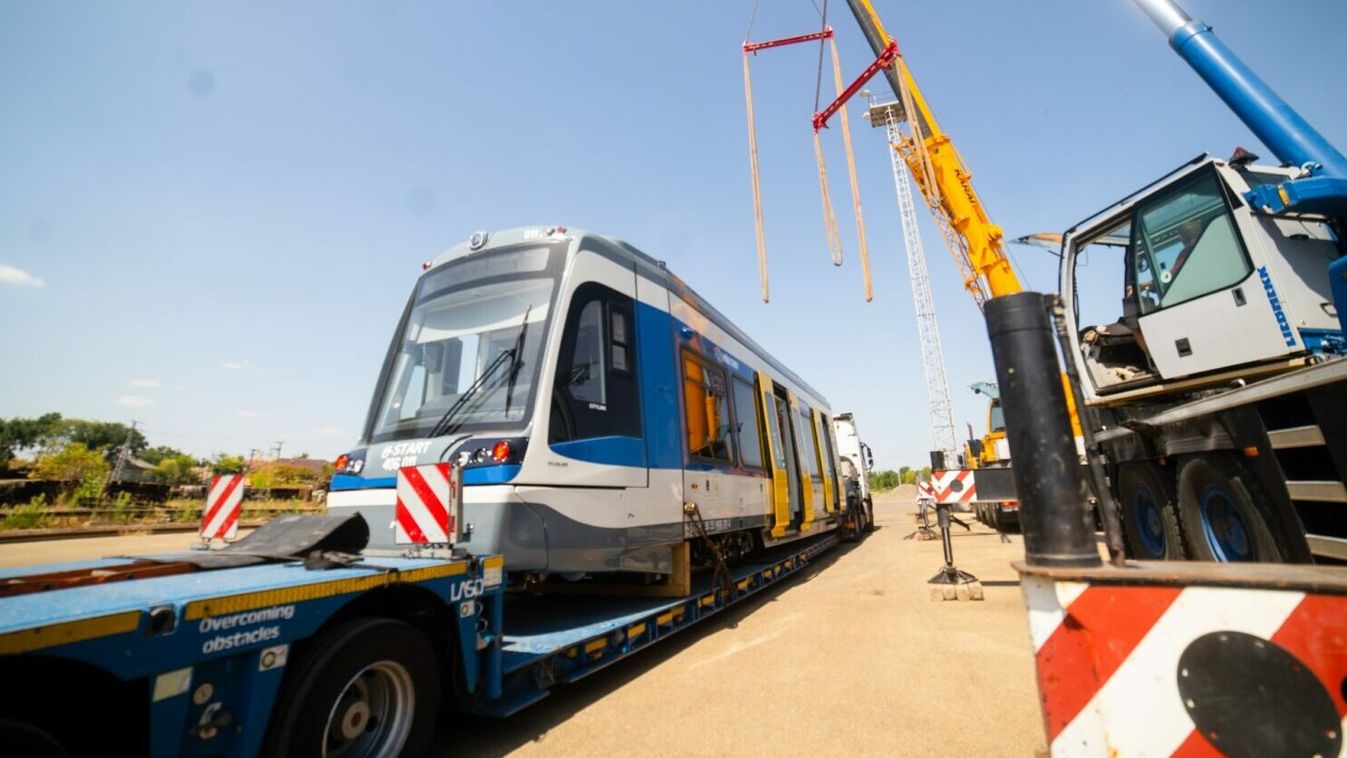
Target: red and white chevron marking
x=954, y=486
x=425, y=513
x=224, y=500
x=924, y=489
x=1111, y=681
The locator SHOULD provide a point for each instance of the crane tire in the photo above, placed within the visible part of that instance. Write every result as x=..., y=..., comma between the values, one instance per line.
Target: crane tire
x=1224, y=512
x=368, y=686
x=1150, y=519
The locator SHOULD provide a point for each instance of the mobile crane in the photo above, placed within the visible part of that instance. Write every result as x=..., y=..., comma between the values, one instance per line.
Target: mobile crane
x=1236, y=396
x=1214, y=249
x=1219, y=396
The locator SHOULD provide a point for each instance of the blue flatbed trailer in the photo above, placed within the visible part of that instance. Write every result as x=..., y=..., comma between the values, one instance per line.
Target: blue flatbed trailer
x=308, y=654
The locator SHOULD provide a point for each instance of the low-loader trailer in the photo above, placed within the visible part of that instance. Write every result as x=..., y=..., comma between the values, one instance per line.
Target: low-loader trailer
x=292, y=641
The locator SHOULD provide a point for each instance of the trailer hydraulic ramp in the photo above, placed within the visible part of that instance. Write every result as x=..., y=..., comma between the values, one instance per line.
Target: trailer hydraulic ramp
x=564, y=638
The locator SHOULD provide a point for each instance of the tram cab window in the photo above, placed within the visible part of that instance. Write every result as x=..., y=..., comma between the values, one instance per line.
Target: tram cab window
x=748, y=423
x=707, y=410
x=595, y=392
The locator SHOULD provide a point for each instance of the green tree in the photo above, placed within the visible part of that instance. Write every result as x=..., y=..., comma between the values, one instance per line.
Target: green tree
x=74, y=464
x=228, y=464
x=883, y=480
x=107, y=436
x=153, y=455
x=19, y=433
x=176, y=469
x=282, y=474
x=906, y=475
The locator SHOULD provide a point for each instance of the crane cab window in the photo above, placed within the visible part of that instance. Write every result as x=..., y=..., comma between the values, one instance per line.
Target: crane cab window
x=996, y=418
x=707, y=410
x=1185, y=245
x=595, y=392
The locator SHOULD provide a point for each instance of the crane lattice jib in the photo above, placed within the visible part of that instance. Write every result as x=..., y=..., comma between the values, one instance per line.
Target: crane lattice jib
x=942, y=178
x=939, y=407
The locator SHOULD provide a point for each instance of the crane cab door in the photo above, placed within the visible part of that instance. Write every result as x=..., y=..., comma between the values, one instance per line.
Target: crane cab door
x=1195, y=283
x=785, y=488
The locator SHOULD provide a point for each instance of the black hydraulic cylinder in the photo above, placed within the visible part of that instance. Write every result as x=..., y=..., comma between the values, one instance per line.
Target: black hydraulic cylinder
x=1054, y=505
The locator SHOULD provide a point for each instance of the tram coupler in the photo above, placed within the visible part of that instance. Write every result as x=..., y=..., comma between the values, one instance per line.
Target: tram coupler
x=951, y=582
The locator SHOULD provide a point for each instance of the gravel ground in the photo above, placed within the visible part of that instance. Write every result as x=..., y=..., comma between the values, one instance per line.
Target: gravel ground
x=851, y=658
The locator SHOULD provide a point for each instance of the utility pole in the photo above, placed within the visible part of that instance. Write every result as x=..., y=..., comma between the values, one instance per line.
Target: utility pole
x=123, y=453
x=278, y=449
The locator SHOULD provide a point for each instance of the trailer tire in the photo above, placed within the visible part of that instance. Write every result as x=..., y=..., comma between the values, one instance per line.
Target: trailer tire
x=1150, y=519
x=869, y=509
x=19, y=738
x=1224, y=512
x=373, y=683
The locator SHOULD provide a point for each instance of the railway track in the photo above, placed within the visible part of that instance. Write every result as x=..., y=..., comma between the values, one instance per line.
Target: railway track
x=252, y=518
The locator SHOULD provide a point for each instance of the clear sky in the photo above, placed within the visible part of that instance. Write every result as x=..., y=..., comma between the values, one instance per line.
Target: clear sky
x=211, y=214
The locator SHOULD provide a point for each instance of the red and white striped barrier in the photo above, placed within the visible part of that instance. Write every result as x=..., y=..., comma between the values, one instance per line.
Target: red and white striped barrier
x=429, y=504
x=954, y=486
x=924, y=490
x=1197, y=670
x=224, y=500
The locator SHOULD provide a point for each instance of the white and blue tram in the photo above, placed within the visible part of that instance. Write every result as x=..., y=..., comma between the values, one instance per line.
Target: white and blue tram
x=589, y=394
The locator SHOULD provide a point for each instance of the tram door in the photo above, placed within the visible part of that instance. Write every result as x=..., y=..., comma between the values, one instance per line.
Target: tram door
x=781, y=458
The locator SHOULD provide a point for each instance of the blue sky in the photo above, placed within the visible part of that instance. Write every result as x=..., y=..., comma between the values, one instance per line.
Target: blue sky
x=212, y=214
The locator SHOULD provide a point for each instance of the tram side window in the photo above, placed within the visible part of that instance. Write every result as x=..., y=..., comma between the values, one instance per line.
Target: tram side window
x=707, y=411
x=748, y=422
x=595, y=392
x=808, y=442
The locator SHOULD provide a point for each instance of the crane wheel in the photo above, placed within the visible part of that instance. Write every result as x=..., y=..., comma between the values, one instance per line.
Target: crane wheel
x=1150, y=519
x=1224, y=512
x=367, y=687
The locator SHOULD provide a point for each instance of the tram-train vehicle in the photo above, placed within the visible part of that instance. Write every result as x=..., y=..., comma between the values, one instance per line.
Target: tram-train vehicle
x=589, y=395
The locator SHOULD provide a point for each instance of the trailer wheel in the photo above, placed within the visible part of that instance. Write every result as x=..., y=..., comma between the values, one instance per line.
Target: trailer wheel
x=1222, y=510
x=1150, y=520
x=28, y=740
x=368, y=687
x=869, y=515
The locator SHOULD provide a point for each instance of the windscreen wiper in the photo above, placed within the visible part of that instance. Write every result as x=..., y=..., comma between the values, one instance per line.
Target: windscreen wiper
x=515, y=362
x=445, y=425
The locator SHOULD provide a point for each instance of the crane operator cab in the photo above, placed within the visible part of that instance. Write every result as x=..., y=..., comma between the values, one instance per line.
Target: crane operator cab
x=1212, y=290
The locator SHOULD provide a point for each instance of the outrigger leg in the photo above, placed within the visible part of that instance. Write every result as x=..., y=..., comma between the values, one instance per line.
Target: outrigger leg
x=951, y=582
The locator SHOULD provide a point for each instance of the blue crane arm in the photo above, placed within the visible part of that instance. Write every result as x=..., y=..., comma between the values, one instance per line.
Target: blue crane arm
x=1276, y=124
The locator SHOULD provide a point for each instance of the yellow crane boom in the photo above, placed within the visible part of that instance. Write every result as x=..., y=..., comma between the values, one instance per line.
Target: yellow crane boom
x=942, y=178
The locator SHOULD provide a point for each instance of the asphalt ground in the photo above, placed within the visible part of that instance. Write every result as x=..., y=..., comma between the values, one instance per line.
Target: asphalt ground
x=851, y=657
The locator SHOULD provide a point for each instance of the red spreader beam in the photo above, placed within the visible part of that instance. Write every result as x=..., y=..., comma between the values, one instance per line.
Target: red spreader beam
x=885, y=58
x=753, y=47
